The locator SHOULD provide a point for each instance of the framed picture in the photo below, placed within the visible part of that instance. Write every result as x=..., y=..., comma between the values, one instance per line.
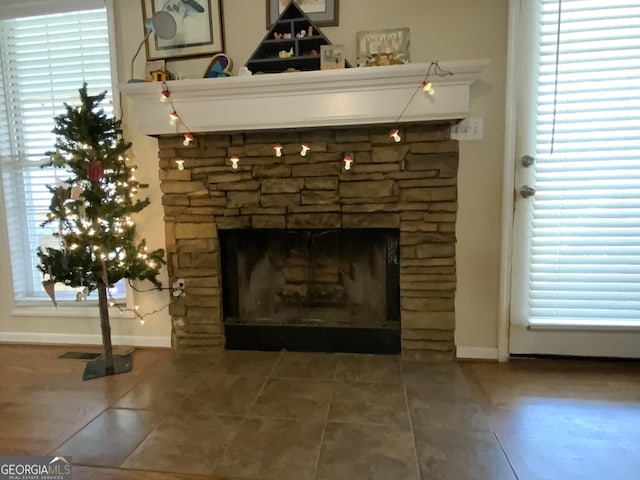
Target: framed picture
x=324, y=13
x=331, y=57
x=198, y=28
x=383, y=47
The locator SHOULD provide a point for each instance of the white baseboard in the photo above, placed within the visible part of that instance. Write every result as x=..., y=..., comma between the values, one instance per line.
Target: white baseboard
x=477, y=353
x=81, y=339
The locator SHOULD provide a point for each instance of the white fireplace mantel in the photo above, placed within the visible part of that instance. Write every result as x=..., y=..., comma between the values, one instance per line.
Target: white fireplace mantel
x=354, y=96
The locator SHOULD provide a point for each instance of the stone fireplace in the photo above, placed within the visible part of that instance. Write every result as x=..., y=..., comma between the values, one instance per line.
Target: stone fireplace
x=402, y=196
x=409, y=188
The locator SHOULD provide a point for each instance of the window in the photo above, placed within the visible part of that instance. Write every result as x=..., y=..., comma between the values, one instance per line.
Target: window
x=583, y=247
x=43, y=61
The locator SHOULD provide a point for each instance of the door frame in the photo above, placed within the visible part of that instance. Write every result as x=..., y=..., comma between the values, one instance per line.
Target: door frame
x=508, y=187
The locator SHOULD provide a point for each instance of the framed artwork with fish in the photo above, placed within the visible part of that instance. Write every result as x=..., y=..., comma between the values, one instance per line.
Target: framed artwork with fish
x=199, y=28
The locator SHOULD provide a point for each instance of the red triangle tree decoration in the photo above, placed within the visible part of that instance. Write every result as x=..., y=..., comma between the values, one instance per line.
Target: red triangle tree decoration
x=97, y=238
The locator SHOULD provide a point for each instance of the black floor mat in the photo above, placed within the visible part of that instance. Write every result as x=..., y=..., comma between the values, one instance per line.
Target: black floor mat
x=80, y=355
x=95, y=368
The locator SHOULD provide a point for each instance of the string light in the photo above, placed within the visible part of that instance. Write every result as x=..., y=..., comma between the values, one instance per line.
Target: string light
x=234, y=162
x=188, y=138
x=427, y=87
x=173, y=118
x=305, y=149
x=180, y=163
x=348, y=160
x=165, y=95
x=278, y=149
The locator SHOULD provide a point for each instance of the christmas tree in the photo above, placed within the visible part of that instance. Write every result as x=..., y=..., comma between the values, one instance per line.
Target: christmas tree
x=92, y=211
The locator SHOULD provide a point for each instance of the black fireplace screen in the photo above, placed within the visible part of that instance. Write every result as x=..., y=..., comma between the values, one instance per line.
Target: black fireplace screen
x=330, y=278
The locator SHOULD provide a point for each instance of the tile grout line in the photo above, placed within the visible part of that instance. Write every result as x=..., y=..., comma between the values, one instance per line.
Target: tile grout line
x=108, y=406
x=253, y=404
x=411, y=429
x=326, y=420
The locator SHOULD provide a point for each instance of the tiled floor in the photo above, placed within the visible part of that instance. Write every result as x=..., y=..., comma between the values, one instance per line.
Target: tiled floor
x=281, y=416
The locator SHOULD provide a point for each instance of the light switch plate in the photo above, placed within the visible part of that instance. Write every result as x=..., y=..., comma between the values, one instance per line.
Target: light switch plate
x=471, y=128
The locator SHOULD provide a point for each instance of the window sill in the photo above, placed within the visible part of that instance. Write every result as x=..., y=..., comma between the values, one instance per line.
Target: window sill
x=612, y=326
x=64, y=309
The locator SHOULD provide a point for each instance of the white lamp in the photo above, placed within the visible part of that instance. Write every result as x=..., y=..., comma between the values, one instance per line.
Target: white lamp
x=163, y=25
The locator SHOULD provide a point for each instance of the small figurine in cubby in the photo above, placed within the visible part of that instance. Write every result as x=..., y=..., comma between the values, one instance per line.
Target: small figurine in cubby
x=310, y=31
x=285, y=53
x=287, y=36
x=277, y=36
x=301, y=34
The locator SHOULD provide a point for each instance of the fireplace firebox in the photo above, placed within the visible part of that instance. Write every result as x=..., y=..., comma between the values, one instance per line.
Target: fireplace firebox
x=311, y=289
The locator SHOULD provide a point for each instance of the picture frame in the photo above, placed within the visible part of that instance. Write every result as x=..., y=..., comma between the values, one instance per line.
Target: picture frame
x=383, y=47
x=200, y=28
x=323, y=13
x=332, y=57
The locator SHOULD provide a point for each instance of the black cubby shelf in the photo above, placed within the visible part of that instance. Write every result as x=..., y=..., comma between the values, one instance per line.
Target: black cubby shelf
x=299, y=52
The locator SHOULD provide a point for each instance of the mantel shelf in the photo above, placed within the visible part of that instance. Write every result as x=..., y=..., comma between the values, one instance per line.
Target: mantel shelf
x=353, y=96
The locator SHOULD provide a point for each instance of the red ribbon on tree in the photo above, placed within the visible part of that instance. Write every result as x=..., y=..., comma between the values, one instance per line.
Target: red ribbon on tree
x=95, y=171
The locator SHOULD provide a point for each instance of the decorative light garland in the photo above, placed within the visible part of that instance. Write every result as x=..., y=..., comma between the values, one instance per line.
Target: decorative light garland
x=175, y=119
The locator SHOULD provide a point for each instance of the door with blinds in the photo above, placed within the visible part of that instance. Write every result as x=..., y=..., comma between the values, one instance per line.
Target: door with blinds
x=576, y=256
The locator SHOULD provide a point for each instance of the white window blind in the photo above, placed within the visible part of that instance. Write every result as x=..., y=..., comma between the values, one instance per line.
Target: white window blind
x=585, y=242
x=43, y=62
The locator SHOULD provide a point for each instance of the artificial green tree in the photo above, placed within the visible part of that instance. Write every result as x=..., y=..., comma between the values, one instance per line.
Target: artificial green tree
x=92, y=211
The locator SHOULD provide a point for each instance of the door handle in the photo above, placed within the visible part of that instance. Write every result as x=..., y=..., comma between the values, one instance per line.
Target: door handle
x=527, y=191
x=527, y=161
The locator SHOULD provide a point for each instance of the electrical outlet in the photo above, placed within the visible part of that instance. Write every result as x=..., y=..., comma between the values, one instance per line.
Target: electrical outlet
x=178, y=287
x=471, y=128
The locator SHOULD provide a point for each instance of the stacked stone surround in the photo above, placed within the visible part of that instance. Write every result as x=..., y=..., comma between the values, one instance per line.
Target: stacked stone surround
x=410, y=186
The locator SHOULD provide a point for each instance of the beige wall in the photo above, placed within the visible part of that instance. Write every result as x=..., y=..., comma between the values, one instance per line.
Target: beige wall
x=440, y=30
